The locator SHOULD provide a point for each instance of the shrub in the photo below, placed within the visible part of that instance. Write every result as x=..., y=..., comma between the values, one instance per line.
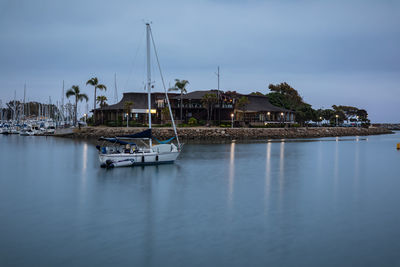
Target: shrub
x=192, y=121
x=163, y=125
x=112, y=123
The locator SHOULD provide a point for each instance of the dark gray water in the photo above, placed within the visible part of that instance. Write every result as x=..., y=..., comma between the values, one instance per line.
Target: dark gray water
x=330, y=202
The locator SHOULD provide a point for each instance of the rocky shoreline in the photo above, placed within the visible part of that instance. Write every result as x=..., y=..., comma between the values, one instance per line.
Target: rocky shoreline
x=227, y=134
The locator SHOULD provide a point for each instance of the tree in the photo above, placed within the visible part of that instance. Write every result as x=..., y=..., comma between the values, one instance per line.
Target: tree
x=326, y=114
x=127, y=108
x=285, y=89
x=257, y=93
x=101, y=99
x=95, y=83
x=180, y=85
x=74, y=91
x=285, y=96
x=305, y=113
x=241, y=104
x=362, y=115
x=165, y=114
x=208, y=101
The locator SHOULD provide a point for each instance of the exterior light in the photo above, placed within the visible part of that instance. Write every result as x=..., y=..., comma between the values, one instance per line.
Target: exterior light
x=337, y=116
x=152, y=111
x=320, y=118
x=232, y=115
x=268, y=113
x=281, y=113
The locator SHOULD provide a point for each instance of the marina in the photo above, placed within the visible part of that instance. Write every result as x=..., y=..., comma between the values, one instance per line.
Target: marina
x=237, y=133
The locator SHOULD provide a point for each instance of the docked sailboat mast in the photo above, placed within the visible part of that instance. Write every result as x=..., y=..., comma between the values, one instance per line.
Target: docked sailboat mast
x=218, y=99
x=62, y=103
x=115, y=88
x=148, y=76
x=23, y=106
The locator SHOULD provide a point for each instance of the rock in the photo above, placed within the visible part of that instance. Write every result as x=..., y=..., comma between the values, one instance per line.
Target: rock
x=228, y=134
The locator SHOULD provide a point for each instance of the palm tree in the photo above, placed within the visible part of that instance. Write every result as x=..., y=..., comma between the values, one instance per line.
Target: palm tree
x=242, y=103
x=208, y=101
x=102, y=100
x=74, y=91
x=127, y=108
x=95, y=83
x=180, y=85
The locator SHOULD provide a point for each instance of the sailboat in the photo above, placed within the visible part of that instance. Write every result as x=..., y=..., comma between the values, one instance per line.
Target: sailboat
x=125, y=151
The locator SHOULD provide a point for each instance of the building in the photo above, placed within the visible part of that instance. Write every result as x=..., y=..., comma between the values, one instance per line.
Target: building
x=258, y=111
x=193, y=106
x=138, y=109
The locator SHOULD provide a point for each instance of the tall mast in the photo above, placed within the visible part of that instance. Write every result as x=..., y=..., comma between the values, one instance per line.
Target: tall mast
x=115, y=87
x=49, y=108
x=148, y=75
x=62, y=101
x=219, y=104
x=23, y=106
x=166, y=93
x=15, y=106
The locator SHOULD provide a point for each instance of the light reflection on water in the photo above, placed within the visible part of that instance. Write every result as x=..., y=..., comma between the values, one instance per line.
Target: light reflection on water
x=325, y=202
x=281, y=169
x=267, y=176
x=231, y=172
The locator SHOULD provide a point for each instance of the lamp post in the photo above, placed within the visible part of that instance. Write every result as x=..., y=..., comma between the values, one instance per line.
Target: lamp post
x=337, y=117
x=320, y=121
x=282, y=118
x=84, y=116
x=127, y=117
x=269, y=116
x=232, y=115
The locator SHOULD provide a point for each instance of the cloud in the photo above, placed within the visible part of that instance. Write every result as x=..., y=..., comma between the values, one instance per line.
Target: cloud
x=254, y=42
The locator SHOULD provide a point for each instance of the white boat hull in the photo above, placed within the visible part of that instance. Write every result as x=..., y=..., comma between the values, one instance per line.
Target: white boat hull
x=127, y=159
x=24, y=133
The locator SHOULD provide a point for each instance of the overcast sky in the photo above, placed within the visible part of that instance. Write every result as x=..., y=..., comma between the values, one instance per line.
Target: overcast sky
x=332, y=52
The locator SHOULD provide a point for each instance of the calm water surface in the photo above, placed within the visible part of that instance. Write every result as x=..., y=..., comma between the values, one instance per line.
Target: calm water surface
x=329, y=202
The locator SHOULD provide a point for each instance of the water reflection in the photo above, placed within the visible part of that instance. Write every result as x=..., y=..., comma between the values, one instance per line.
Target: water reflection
x=84, y=157
x=262, y=200
x=281, y=169
x=83, y=188
x=356, y=167
x=231, y=172
x=267, y=176
x=336, y=168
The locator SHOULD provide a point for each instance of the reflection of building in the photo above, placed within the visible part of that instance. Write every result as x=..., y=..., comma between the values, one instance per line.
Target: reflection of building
x=258, y=111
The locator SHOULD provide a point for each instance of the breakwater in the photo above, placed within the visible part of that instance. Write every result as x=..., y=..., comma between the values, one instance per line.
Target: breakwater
x=221, y=134
x=390, y=126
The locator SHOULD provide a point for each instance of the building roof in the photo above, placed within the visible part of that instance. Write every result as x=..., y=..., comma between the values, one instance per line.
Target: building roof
x=139, y=100
x=261, y=103
x=197, y=94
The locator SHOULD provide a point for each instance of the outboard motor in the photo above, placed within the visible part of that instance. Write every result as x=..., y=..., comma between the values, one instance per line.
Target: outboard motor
x=109, y=163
